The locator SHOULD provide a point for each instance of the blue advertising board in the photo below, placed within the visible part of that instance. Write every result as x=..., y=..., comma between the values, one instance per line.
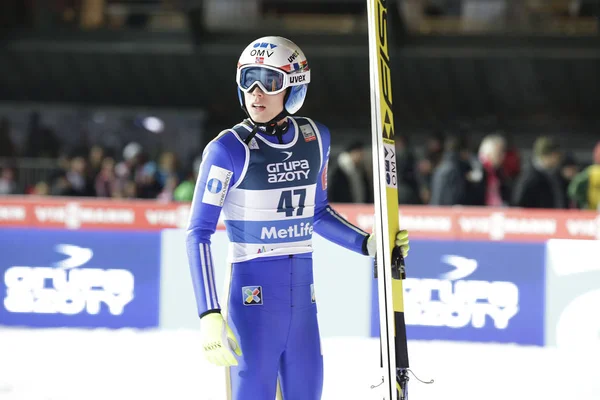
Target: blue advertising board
x=473, y=291
x=61, y=278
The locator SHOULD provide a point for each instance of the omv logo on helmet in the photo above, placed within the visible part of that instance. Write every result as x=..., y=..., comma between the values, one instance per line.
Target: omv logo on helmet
x=262, y=50
x=88, y=279
x=264, y=45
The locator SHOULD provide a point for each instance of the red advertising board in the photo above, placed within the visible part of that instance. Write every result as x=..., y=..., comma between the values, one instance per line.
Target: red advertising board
x=473, y=223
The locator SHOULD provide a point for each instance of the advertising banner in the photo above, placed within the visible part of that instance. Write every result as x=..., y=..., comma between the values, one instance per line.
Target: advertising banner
x=473, y=291
x=458, y=223
x=59, y=278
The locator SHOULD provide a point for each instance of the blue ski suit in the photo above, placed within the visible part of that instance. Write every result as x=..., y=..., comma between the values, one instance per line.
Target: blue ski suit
x=273, y=197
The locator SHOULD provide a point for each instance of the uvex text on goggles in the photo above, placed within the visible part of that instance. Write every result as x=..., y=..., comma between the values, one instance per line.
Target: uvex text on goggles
x=271, y=80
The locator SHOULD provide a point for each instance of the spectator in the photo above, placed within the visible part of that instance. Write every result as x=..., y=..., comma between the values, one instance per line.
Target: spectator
x=350, y=181
x=58, y=183
x=130, y=190
x=408, y=185
x=61, y=187
x=167, y=168
x=453, y=182
x=539, y=186
x=584, y=189
x=167, y=194
x=106, y=180
x=41, y=189
x=185, y=190
x=511, y=166
x=567, y=171
x=434, y=150
x=8, y=185
x=77, y=176
x=491, y=156
x=128, y=170
x=95, y=161
x=147, y=184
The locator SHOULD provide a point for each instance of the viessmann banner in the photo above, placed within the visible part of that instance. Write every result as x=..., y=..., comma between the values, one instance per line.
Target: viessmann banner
x=458, y=223
x=474, y=291
x=51, y=278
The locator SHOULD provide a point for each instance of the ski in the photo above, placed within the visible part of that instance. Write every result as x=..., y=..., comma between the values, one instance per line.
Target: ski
x=389, y=263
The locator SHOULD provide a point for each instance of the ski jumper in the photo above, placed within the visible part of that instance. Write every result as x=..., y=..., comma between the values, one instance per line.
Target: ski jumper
x=273, y=197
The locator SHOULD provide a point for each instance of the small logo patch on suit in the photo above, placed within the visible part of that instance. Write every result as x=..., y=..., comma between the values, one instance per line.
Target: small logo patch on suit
x=308, y=133
x=217, y=184
x=312, y=293
x=252, y=295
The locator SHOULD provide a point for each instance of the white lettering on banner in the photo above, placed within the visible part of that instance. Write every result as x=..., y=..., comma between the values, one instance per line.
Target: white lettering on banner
x=422, y=223
x=173, y=218
x=12, y=213
x=73, y=215
x=459, y=303
x=497, y=225
x=293, y=231
x=414, y=223
x=584, y=227
x=288, y=171
x=69, y=290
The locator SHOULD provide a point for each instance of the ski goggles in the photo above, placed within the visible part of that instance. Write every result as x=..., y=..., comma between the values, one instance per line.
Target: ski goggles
x=271, y=80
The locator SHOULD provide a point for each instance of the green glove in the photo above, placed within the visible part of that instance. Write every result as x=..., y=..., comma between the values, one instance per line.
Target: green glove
x=401, y=241
x=218, y=341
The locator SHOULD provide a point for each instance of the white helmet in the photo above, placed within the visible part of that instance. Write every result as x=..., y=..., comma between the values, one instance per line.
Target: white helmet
x=274, y=64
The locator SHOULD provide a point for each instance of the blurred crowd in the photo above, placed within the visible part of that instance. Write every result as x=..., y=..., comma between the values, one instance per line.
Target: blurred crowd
x=92, y=171
x=450, y=171
x=447, y=169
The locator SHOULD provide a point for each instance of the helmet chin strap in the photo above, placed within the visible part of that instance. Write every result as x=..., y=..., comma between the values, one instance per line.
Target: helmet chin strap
x=272, y=127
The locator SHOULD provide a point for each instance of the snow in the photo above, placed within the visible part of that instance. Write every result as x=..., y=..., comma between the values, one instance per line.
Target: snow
x=69, y=364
